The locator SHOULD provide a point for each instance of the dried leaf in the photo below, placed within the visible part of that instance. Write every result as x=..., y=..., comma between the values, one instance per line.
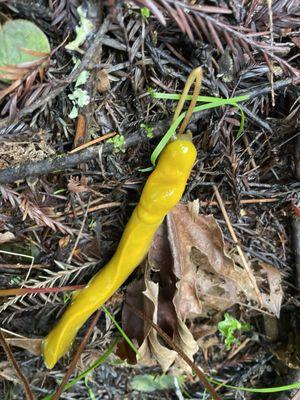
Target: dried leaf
x=30, y=344
x=273, y=300
x=157, y=303
x=76, y=186
x=103, y=82
x=6, y=237
x=207, y=278
x=7, y=372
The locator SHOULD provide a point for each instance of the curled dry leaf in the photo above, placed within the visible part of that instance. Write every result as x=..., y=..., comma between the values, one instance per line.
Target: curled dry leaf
x=208, y=279
x=153, y=296
x=6, y=237
x=7, y=372
x=189, y=275
x=78, y=186
x=30, y=344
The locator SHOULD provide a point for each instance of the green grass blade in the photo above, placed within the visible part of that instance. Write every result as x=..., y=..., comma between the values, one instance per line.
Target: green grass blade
x=171, y=131
x=96, y=364
x=276, y=389
x=201, y=99
x=121, y=330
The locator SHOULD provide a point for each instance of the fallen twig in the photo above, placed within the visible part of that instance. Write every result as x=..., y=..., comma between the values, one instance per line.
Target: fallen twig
x=175, y=347
x=238, y=247
x=266, y=88
x=24, y=291
x=76, y=357
x=63, y=162
x=11, y=358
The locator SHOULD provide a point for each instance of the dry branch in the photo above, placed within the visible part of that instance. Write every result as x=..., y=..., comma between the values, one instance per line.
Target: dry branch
x=21, y=376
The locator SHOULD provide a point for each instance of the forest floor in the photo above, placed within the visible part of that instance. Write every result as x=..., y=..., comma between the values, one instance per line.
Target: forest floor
x=63, y=211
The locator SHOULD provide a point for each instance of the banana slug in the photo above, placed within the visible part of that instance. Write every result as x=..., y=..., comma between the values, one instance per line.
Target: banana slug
x=162, y=191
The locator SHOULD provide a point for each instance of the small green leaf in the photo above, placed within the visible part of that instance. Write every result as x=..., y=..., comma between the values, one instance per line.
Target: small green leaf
x=19, y=34
x=82, y=31
x=74, y=113
x=82, y=78
x=145, y=12
x=150, y=383
x=80, y=96
x=228, y=328
x=118, y=142
x=148, y=129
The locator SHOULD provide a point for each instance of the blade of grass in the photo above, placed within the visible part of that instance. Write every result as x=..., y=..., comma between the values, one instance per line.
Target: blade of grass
x=121, y=330
x=201, y=99
x=171, y=131
x=276, y=389
x=96, y=364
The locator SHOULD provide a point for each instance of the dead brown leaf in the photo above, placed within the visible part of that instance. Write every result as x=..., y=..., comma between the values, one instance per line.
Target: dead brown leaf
x=6, y=237
x=103, y=83
x=7, y=372
x=153, y=296
x=189, y=275
x=32, y=345
x=208, y=279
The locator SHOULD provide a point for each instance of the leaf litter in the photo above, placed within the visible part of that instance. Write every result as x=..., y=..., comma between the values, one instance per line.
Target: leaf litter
x=189, y=275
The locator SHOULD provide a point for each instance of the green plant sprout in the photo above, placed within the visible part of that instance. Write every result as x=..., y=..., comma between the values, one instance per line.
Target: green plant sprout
x=148, y=129
x=83, y=30
x=126, y=338
x=212, y=102
x=118, y=142
x=145, y=12
x=228, y=328
x=92, y=224
x=89, y=388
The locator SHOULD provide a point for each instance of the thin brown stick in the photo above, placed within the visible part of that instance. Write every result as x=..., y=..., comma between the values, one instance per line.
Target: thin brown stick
x=65, y=161
x=21, y=376
x=24, y=291
x=93, y=142
x=174, y=346
x=238, y=247
x=245, y=201
x=79, y=212
x=80, y=349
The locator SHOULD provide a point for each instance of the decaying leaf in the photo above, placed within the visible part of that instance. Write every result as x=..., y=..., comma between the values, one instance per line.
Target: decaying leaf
x=208, y=279
x=7, y=372
x=153, y=296
x=30, y=344
x=189, y=275
x=6, y=237
x=274, y=298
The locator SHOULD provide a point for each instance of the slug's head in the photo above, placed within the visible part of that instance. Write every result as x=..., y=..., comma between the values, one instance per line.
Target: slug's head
x=166, y=184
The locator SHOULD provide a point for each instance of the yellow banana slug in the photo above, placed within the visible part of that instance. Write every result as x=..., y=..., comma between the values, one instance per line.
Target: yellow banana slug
x=161, y=193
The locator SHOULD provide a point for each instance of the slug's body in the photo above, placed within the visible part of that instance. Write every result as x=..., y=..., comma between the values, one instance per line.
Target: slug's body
x=162, y=192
